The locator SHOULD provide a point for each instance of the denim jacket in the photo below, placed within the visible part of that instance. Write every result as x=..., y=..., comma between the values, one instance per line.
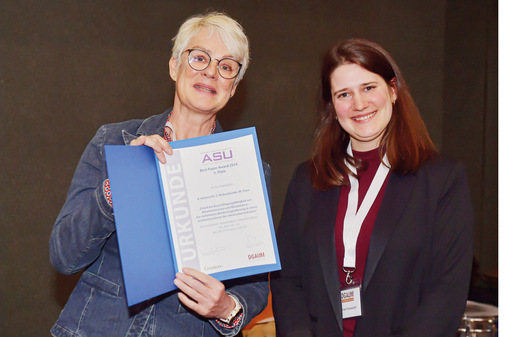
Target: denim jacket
x=84, y=238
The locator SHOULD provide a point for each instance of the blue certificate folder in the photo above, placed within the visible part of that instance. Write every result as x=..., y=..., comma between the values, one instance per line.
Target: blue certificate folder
x=146, y=250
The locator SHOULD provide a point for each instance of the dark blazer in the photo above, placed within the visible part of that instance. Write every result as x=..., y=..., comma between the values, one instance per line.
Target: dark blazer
x=418, y=266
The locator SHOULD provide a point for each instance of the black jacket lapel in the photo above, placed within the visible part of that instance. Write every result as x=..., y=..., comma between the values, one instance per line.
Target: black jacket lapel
x=397, y=194
x=324, y=214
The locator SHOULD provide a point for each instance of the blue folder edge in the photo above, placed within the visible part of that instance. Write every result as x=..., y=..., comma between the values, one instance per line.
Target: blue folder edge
x=147, y=257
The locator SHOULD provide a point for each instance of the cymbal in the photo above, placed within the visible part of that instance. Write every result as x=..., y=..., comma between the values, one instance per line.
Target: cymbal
x=476, y=309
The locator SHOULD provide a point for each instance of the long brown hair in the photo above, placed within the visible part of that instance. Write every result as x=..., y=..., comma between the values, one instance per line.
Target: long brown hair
x=406, y=140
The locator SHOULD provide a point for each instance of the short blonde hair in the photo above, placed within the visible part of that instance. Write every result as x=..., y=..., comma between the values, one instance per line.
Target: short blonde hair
x=230, y=31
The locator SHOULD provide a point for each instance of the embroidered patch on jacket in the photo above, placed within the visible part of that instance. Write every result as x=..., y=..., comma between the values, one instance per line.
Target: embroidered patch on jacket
x=107, y=192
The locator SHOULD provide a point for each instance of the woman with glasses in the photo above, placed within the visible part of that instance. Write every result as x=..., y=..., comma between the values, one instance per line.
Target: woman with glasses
x=209, y=58
x=376, y=235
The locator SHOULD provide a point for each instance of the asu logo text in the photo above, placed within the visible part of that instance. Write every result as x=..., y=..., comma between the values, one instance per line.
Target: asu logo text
x=217, y=156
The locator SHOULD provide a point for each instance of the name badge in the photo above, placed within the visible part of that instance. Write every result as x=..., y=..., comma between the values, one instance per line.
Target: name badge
x=351, y=302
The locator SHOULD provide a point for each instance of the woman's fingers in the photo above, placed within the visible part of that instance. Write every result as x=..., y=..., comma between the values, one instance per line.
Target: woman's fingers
x=159, y=145
x=203, y=294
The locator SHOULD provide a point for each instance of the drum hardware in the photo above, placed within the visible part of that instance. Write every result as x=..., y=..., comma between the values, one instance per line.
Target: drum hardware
x=479, y=320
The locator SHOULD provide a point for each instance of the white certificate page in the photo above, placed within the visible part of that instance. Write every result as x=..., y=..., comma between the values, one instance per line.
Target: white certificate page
x=217, y=207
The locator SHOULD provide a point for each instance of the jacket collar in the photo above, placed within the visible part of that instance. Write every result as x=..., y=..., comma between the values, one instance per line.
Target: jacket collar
x=155, y=125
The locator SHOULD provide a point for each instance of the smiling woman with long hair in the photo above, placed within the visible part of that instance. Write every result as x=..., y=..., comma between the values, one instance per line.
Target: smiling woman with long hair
x=376, y=233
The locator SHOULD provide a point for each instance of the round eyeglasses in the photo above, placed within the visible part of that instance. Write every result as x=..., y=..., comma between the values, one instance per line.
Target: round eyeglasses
x=199, y=60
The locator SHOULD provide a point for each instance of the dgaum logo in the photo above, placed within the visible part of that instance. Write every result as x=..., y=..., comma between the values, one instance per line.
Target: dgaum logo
x=217, y=156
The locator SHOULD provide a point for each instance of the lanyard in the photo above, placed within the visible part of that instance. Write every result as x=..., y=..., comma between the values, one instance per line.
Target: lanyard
x=354, y=218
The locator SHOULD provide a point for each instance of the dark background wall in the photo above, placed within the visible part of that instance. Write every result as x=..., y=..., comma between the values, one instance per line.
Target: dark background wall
x=67, y=67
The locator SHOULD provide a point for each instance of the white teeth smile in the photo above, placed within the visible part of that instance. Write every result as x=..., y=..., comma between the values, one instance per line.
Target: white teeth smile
x=206, y=89
x=363, y=118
